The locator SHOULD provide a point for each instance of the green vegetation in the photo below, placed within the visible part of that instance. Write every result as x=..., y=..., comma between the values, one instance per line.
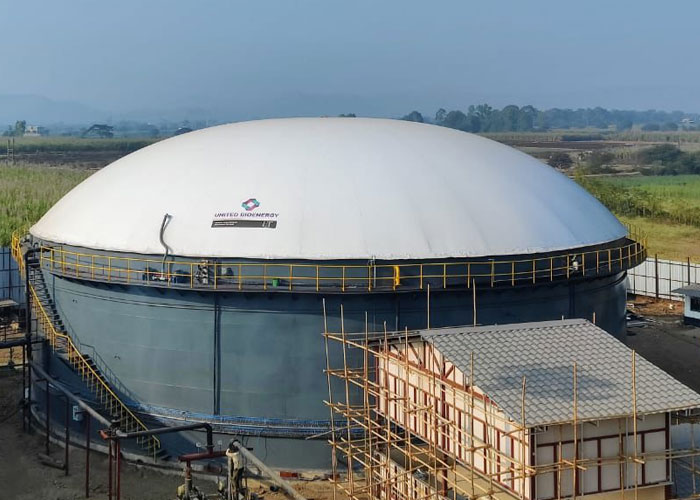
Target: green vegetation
x=666, y=208
x=668, y=199
x=76, y=144
x=28, y=191
x=667, y=159
x=669, y=241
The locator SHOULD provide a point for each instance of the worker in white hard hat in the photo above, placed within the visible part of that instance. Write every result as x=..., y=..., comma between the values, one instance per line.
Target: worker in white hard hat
x=235, y=470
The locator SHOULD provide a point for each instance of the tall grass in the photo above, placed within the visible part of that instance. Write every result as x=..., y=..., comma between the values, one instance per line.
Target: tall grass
x=655, y=197
x=75, y=144
x=27, y=192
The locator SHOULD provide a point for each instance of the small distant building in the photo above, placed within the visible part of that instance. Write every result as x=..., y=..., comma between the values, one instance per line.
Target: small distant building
x=35, y=131
x=691, y=298
x=530, y=411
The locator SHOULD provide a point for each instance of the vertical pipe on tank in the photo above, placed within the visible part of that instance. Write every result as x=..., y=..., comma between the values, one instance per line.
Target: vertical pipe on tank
x=28, y=346
x=47, y=410
x=217, y=356
x=65, y=460
x=474, y=301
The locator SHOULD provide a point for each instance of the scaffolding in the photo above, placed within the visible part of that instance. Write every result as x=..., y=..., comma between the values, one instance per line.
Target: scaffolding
x=401, y=440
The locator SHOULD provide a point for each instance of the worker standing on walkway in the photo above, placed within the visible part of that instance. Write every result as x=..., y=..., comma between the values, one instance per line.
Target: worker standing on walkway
x=235, y=470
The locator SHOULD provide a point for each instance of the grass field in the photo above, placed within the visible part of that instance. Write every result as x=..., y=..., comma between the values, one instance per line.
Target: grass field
x=28, y=191
x=668, y=197
x=74, y=144
x=669, y=241
x=670, y=190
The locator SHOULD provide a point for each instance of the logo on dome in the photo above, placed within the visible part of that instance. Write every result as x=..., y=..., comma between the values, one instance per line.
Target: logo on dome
x=250, y=204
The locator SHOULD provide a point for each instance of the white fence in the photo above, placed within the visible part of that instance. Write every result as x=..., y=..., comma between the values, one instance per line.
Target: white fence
x=658, y=277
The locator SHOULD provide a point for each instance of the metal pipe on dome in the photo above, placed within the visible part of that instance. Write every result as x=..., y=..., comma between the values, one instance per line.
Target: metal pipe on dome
x=163, y=225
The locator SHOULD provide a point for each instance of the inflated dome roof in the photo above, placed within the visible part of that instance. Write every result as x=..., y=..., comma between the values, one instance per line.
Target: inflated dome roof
x=329, y=188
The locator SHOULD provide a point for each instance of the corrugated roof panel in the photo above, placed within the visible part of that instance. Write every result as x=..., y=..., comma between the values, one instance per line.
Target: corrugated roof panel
x=545, y=354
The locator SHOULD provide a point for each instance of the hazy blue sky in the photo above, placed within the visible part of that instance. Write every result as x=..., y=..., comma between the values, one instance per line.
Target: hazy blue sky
x=238, y=60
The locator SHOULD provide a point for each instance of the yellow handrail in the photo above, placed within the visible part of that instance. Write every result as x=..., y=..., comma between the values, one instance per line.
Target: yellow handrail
x=81, y=364
x=264, y=275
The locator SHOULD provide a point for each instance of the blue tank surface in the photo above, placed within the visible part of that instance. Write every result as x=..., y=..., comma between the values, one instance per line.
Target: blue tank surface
x=251, y=363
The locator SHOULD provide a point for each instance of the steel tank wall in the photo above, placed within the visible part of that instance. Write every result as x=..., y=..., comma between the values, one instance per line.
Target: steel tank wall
x=212, y=355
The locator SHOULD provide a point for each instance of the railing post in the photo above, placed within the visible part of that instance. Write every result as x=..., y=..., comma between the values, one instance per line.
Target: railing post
x=621, y=265
x=291, y=276
x=48, y=413
x=87, y=454
x=551, y=269
x=670, y=279
x=629, y=256
x=656, y=273
x=65, y=460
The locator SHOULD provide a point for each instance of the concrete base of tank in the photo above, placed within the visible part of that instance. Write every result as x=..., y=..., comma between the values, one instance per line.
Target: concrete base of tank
x=252, y=363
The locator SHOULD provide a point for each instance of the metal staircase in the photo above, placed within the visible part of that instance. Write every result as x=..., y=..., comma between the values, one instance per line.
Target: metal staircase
x=51, y=326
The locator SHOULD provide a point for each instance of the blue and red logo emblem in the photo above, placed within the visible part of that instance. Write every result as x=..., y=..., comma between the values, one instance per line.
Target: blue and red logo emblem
x=250, y=204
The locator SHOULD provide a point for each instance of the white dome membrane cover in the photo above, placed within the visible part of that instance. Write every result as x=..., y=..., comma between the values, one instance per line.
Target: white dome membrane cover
x=329, y=188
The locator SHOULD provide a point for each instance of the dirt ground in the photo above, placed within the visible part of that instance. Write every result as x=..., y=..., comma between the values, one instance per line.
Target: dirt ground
x=649, y=306
x=23, y=477
x=10, y=331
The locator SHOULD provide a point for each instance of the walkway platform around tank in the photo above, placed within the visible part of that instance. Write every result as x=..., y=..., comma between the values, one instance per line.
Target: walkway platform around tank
x=216, y=274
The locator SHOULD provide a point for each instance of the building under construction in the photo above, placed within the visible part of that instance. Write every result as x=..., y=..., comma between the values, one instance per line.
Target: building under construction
x=537, y=411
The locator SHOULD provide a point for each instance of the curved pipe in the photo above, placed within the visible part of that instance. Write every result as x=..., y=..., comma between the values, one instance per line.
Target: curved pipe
x=163, y=225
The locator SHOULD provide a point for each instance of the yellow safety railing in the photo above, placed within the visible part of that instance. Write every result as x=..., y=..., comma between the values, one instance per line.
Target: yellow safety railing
x=300, y=277
x=106, y=396
x=234, y=275
x=58, y=340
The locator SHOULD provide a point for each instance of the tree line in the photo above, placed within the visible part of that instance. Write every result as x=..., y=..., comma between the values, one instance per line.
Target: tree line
x=484, y=118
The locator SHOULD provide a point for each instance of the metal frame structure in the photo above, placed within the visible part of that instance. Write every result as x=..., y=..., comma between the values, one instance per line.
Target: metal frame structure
x=384, y=458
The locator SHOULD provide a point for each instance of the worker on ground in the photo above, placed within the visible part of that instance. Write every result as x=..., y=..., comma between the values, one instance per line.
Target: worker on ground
x=235, y=470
